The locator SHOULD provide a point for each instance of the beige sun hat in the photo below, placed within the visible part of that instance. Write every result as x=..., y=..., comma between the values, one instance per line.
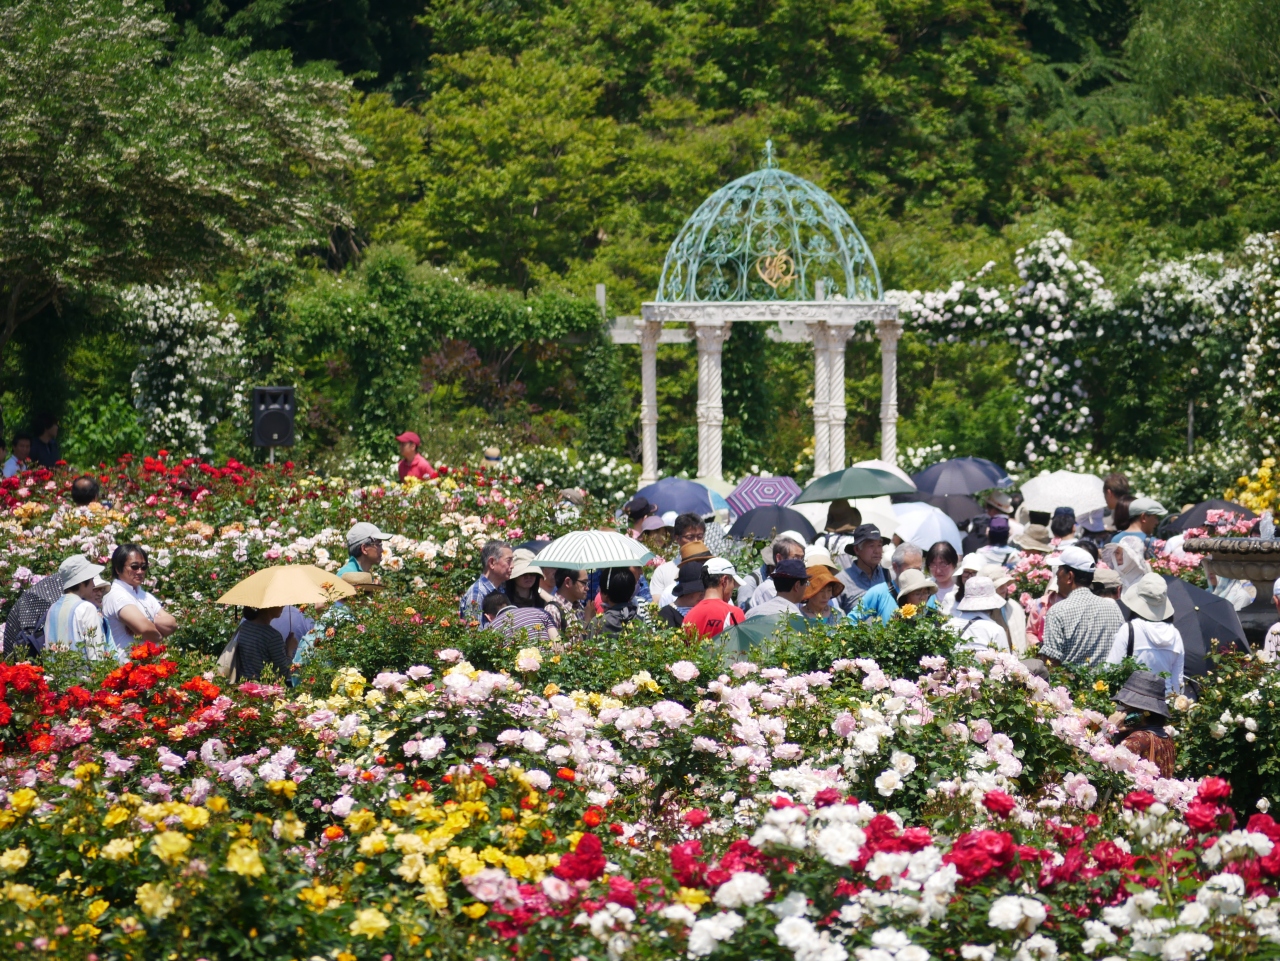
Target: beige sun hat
x=913, y=580
x=1000, y=576
x=1036, y=538
x=980, y=595
x=522, y=562
x=815, y=555
x=1149, y=598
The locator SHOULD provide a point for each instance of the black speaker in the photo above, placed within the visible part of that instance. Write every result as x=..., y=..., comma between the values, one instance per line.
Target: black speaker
x=273, y=410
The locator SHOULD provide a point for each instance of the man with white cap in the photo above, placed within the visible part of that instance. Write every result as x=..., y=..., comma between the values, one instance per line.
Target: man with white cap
x=364, y=547
x=1081, y=627
x=74, y=622
x=714, y=612
x=1150, y=637
x=974, y=622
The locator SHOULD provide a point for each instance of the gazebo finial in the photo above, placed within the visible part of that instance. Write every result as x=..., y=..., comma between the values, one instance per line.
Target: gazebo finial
x=769, y=162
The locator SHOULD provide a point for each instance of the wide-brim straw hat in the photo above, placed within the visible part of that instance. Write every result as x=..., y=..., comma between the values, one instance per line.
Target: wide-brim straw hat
x=1144, y=691
x=980, y=595
x=912, y=580
x=820, y=577
x=1036, y=537
x=1148, y=597
x=362, y=582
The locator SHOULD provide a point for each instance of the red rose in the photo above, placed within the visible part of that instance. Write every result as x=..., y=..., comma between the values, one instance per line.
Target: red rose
x=6, y=713
x=689, y=870
x=998, y=803
x=826, y=797
x=1213, y=790
x=1109, y=856
x=1265, y=824
x=978, y=853
x=696, y=818
x=621, y=892
x=584, y=863
x=1202, y=817
x=1139, y=800
x=566, y=774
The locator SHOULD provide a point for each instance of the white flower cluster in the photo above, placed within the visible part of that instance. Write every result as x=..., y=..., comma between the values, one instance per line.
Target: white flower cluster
x=193, y=366
x=559, y=467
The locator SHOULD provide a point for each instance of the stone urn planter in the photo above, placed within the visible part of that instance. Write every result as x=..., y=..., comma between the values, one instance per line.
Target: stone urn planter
x=1245, y=559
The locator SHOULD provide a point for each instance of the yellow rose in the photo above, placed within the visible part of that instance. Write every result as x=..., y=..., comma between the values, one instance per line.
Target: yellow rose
x=551, y=690
x=155, y=900
x=86, y=771
x=170, y=846
x=475, y=911
x=216, y=804
x=97, y=908
x=14, y=859
x=409, y=843
x=370, y=922
x=23, y=895
x=375, y=843
x=907, y=611
x=243, y=859
x=361, y=821
x=23, y=800
x=290, y=828
x=85, y=932
x=287, y=788
x=692, y=898
x=1100, y=686
x=117, y=815
x=118, y=849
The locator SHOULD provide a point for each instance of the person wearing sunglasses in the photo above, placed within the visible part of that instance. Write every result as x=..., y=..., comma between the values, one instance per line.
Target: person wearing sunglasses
x=133, y=612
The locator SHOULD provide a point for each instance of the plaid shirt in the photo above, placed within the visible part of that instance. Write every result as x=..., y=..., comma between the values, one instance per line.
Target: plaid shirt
x=476, y=593
x=1080, y=628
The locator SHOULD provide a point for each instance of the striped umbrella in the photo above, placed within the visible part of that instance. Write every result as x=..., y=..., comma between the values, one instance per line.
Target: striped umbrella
x=590, y=550
x=763, y=492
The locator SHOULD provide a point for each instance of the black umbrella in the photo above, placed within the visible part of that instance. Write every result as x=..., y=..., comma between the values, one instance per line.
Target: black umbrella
x=961, y=475
x=1206, y=622
x=762, y=523
x=961, y=508
x=1198, y=515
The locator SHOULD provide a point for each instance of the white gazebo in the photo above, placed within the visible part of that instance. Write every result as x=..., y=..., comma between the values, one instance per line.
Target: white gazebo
x=772, y=248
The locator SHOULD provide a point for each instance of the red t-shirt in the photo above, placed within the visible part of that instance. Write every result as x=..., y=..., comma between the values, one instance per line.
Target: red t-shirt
x=712, y=615
x=418, y=467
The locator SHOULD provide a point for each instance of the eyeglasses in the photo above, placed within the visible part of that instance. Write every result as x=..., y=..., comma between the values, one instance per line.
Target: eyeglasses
x=138, y=567
x=584, y=581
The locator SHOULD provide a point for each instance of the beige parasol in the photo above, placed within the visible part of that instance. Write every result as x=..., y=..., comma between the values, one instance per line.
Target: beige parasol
x=285, y=585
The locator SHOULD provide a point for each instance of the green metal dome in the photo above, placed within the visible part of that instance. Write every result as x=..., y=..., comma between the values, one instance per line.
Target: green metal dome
x=768, y=236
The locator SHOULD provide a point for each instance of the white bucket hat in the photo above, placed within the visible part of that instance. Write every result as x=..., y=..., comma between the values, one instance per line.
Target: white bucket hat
x=77, y=569
x=980, y=595
x=794, y=536
x=1000, y=576
x=1149, y=598
x=815, y=555
x=973, y=563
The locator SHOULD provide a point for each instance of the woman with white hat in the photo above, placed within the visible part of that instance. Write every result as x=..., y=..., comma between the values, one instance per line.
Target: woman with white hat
x=1150, y=637
x=1013, y=617
x=973, y=620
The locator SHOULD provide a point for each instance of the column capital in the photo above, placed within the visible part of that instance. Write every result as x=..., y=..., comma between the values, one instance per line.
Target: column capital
x=889, y=329
x=710, y=336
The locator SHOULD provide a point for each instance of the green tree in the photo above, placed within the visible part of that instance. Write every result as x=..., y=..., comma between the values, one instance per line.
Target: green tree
x=122, y=162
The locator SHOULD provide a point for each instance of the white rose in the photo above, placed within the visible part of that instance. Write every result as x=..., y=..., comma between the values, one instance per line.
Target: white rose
x=888, y=782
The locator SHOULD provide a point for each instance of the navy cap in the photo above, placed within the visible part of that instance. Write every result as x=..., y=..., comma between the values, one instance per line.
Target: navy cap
x=690, y=581
x=639, y=507
x=791, y=568
x=866, y=532
x=1065, y=512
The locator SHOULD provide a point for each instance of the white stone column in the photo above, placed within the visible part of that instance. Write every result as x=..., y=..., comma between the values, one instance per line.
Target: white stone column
x=837, y=339
x=711, y=338
x=889, y=331
x=819, y=334
x=650, y=331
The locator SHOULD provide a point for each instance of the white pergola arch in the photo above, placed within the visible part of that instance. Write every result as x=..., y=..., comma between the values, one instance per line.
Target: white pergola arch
x=828, y=324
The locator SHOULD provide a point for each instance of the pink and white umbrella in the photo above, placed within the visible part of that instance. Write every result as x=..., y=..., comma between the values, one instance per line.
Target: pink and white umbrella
x=762, y=492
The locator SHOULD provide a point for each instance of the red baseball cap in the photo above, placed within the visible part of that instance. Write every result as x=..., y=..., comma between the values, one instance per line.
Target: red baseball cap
x=409, y=436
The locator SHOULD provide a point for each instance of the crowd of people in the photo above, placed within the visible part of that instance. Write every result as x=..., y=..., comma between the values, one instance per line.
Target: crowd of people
x=850, y=572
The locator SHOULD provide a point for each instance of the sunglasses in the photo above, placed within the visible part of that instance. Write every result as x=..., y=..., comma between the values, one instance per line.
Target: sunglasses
x=139, y=567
